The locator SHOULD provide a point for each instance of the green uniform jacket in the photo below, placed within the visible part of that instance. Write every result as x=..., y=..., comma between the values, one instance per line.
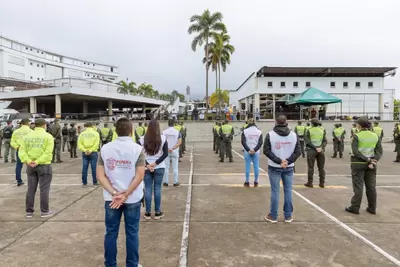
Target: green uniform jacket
x=18, y=136
x=357, y=157
x=37, y=146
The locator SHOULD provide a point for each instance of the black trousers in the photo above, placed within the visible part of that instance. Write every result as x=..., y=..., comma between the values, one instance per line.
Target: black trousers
x=360, y=175
x=312, y=156
x=73, y=145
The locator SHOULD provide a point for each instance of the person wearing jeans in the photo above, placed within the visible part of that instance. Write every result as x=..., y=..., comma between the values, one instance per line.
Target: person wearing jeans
x=174, y=140
x=88, y=143
x=282, y=148
x=251, y=141
x=120, y=172
x=155, y=148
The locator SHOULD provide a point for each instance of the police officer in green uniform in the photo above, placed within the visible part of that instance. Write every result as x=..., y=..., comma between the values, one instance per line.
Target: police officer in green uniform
x=178, y=127
x=338, y=140
x=366, y=151
x=226, y=133
x=106, y=134
x=73, y=140
x=378, y=130
x=56, y=132
x=315, y=139
x=7, y=134
x=1, y=142
x=184, y=134
x=139, y=131
x=354, y=130
x=218, y=138
x=65, y=141
x=215, y=136
x=396, y=139
x=300, y=130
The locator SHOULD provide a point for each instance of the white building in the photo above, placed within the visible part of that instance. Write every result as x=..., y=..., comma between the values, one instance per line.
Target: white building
x=26, y=62
x=361, y=89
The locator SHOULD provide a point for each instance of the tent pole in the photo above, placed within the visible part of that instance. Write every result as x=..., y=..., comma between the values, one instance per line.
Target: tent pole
x=273, y=106
x=341, y=109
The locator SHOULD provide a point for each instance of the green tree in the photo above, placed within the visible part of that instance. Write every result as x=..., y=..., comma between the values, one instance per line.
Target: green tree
x=205, y=25
x=218, y=98
x=396, y=109
x=127, y=88
x=146, y=90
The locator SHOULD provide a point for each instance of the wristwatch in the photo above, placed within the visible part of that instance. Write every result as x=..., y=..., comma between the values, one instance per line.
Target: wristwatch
x=114, y=193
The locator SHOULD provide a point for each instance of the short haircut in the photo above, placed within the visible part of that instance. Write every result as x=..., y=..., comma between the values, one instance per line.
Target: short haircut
x=123, y=127
x=140, y=124
x=88, y=124
x=281, y=120
x=171, y=123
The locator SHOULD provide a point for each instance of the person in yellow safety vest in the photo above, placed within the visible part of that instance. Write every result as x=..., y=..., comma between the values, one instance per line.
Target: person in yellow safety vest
x=308, y=126
x=178, y=127
x=218, y=138
x=16, y=141
x=378, y=130
x=139, y=131
x=88, y=143
x=354, y=130
x=215, y=136
x=184, y=134
x=36, y=151
x=106, y=134
x=145, y=127
x=367, y=151
x=300, y=130
x=396, y=139
x=226, y=133
x=315, y=140
x=338, y=135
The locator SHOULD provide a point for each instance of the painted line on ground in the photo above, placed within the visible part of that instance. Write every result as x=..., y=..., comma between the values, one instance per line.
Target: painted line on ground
x=183, y=258
x=343, y=225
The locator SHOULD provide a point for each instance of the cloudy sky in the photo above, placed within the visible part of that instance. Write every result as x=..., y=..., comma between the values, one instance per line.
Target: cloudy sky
x=148, y=40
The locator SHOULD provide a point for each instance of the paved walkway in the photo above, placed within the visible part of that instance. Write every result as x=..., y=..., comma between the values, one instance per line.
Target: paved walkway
x=212, y=218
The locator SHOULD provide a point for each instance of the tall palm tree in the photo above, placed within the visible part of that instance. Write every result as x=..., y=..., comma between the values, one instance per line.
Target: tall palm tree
x=204, y=26
x=146, y=90
x=127, y=88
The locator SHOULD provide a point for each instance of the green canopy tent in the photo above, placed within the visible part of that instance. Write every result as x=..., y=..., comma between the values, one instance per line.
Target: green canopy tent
x=313, y=96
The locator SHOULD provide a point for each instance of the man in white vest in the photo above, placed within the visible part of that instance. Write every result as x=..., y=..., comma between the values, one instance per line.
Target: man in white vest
x=282, y=147
x=120, y=171
x=174, y=140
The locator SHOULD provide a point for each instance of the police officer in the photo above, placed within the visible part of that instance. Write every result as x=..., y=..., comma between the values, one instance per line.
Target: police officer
x=36, y=152
x=16, y=142
x=354, y=130
x=184, y=134
x=106, y=134
x=88, y=143
x=64, y=132
x=139, y=131
x=145, y=127
x=73, y=140
x=300, y=130
x=315, y=140
x=396, y=138
x=226, y=133
x=1, y=141
x=215, y=136
x=367, y=150
x=338, y=138
x=378, y=130
x=218, y=139
x=178, y=127
x=7, y=134
x=32, y=126
x=55, y=131
x=308, y=126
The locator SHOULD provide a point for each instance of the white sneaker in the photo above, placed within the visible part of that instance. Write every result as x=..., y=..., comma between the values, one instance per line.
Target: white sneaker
x=139, y=265
x=29, y=215
x=47, y=214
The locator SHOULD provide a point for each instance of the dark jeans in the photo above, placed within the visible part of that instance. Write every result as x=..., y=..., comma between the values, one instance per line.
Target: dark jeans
x=302, y=145
x=360, y=174
x=18, y=170
x=312, y=156
x=153, y=180
x=41, y=175
x=275, y=177
x=131, y=213
x=86, y=160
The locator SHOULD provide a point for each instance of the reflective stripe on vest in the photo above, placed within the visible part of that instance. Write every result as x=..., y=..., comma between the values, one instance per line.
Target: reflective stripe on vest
x=316, y=136
x=366, y=143
x=378, y=130
x=226, y=129
x=300, y=130
x=338, y=132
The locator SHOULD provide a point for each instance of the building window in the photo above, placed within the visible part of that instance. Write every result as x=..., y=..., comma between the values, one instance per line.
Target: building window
x=345, y=84
x=94, y=65
x=31, y=77
x=37, y=51
x=296, y=84
x=42, y=53
x=42, y=79
x=26, y=48
x=38, y=79
x=333, y=84
x=31, y=64
x=370, y=84
x=31, y=49
x=38, y=65
x=358, y=84
x=42, y=66
x=112, y=69
x=283, y=84
x=270, y=84
x=308, y=84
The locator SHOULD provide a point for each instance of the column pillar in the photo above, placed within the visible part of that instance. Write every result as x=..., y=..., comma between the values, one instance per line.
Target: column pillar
x=256, y=103
x=144, y=112
x=32, y=105
x=273, y=106
x=58, y=106
x=110, y=112
x=85, y=108
x=381, y=106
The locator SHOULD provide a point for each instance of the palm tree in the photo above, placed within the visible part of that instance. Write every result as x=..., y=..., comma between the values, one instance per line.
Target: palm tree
x=146, y=90
x=219, y=97
x=204, y=26
x=127, y=88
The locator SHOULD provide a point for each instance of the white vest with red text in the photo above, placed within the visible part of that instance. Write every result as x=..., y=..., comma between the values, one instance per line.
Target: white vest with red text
x=252, y=135
x=282, y=147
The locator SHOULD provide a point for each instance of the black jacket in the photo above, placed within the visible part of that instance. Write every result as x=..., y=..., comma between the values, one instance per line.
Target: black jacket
x=282, y=131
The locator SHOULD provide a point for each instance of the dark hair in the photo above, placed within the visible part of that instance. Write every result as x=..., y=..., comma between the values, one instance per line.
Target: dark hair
x=281, y=120
x=171, y=123
x=152, y=138
x=123, y=127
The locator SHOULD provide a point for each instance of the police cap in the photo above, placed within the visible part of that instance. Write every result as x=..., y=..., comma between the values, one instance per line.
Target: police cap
x=25, y=121
x=88, y=124
x=40, y=122
x=315, y=121
x=363, y=122
x=65, y=124
x=56, y=120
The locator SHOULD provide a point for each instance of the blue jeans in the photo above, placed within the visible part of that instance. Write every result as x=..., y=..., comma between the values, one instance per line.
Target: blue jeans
x=275, y=176
x=248, y=159
x=174, y=157
x=131, y=213
x=18, y=170
x=153, y=180
x=86, y=160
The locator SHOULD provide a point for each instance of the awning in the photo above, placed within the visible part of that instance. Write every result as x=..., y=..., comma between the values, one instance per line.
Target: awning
x=313, y=96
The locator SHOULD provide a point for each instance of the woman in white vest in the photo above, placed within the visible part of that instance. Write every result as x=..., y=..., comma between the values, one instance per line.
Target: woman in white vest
x=155, y=148
x=282, y=147
x=251, y=141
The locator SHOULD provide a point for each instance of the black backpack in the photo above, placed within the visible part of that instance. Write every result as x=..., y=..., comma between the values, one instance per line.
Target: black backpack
x=7, y=132
x=64, y=131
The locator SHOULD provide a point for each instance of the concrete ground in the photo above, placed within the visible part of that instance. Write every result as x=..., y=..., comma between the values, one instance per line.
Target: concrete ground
x=224, y=220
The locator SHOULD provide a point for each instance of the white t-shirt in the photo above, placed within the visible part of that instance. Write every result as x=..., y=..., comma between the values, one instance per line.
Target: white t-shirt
x=151, y=159
x=120, y=159
x=172, y=135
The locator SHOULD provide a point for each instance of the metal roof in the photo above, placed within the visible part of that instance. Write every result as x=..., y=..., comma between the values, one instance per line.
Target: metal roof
x=21, y=84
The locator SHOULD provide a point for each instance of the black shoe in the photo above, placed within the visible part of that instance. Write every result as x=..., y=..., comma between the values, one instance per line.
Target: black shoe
x=95, y=184
x=216, y=152
x=221, y=160
x=52, y=161
x=397, y=161
x=147, y=216
x=255, y=184
x=59, y=161
x=303, y=156
x=334, y=157
x=231, y=160
x=350, y=210
x=371, y=211
x=158, y=215
x=75, y=157
x=13, y=161
x=177, y=184
x=341, y=156
x=6, y=161
x=308, y=185
x=322, y=185
x=165, y=184
x=246, y=184
x=21, y=183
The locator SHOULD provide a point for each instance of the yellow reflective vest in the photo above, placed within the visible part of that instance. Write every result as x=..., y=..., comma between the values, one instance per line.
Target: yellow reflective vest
x=89, y=140
x=37, y=146
x=18, y=135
